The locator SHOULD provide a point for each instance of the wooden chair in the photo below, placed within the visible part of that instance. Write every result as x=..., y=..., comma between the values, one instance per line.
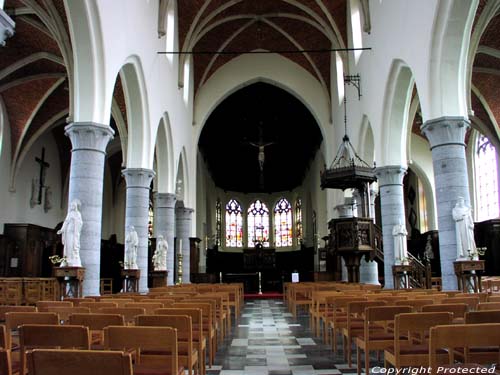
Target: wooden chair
x=377, y=339
x=488, y=306
x=336, y=315
x=79, y=362
x=471, y=302
x=96, y=324
x=416, y=304
x=76, y=301
x=95, y=306
x=149, y=307
x=464, y=336
x=160, y=344
x=187, y=351
x=11, y=308
x=14, y=319
x=411, y=331
x=208, y=325
x=482, y=316
x=65, y=312
x=128, y=313
x=458, y=310
x=199, y=338
x=42, y=306
x=5, y=355
x=49, y=336
x=355, y=326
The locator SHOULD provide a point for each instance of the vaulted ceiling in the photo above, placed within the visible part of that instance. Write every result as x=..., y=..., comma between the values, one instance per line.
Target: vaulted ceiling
x=262, y=25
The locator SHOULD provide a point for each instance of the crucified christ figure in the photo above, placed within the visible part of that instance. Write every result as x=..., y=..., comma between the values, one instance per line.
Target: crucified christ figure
x=261, y=146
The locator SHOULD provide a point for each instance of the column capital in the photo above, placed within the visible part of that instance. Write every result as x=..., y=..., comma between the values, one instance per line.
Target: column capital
x=183, y=212
x=390, y=175
x=446, y=130
x=89, y=136
x=165, y=200
x=138, y=177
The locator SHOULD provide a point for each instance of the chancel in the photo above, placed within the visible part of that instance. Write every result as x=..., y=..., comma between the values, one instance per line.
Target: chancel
x=200, y=152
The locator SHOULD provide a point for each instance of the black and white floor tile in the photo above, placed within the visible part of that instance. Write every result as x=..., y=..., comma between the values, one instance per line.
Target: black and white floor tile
x=269, y=341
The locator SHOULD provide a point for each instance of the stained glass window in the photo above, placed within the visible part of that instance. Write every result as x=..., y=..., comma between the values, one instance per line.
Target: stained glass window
x=283, y=223
x=234, y=224
x=258, y=224
x=298, y=219
x=218, y=222
x=486, y=179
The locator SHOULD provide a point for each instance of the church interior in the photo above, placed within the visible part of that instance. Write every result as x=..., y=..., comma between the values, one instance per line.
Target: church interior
x=310, y=179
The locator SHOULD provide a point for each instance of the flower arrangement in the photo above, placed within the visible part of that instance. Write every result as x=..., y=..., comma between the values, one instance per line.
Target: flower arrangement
x=56, y=259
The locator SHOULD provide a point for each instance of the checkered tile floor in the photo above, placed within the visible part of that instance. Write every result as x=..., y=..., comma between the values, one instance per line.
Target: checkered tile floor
x=268, y=341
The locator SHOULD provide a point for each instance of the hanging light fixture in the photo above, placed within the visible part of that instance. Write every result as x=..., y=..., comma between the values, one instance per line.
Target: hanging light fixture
x=348, y=170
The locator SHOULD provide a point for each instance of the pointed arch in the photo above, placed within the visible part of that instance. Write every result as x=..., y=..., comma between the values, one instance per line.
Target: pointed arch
x=395, y=116
x=181, y=180
x=164, y=156
x=89, y=99
x=449, y=54
x=136, y=101
x=366, y=141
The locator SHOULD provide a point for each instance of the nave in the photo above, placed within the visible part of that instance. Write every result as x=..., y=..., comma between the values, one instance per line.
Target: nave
x=269, y=341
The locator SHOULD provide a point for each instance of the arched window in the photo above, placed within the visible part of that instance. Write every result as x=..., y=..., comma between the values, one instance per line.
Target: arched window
x=234, y=224
x=218, y=222
x=283, y=223
x=486, y=179
x=258, y=224
x=298, y=220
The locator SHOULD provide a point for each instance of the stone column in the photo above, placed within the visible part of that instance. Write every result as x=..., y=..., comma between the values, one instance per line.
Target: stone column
x=183, y=232
x=165, y=225
x=89, y=141
x=138, y=182
x=446, y=136
x=390, y=182
x=368, y=270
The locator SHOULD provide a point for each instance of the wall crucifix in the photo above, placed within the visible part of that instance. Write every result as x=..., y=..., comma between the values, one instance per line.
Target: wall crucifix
x=43, y=171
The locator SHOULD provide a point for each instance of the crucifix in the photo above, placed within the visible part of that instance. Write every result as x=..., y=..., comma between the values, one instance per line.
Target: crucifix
x=261, y=146
x=43, y=170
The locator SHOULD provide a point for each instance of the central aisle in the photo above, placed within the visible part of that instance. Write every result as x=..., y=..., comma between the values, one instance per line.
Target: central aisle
x=268, y=341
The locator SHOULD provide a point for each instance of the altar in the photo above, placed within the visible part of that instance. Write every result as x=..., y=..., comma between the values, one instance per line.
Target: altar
x=259, y=259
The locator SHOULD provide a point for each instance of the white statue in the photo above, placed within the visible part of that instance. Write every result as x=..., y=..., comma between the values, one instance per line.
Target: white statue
x=160, y=255
x=131, y=244
x=464, y=226
x=70, y=232
x=400, y=252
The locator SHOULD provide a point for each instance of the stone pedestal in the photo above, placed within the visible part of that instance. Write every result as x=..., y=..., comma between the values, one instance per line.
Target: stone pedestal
x=89, y=141
x=165, y=225
x=390, y=181
x=137, y=214
x=446, y=136
x=368, y=272
x=183, y=232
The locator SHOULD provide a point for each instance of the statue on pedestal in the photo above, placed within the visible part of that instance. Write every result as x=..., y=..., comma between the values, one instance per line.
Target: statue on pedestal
x=160, y=255
x=400, y=252
x=464, y=226
x=70, y=232
x=131, y=245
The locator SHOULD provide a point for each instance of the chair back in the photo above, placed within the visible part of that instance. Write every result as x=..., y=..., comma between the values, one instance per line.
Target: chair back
x=65, y=312
x=416, y=304
x=14, y=319
x=484, y=316
x=159, y=342
x=417, y=325
x=488, y=306
x=79, y=362
x=128, y=313
x=470, y=301
x=450, y=337
x=76, y=301
x=49, y=336
x=95, y=306
x=96, y=322
x=458, y=309
x=42, y=306
x=7, y=308
x=149, y=307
